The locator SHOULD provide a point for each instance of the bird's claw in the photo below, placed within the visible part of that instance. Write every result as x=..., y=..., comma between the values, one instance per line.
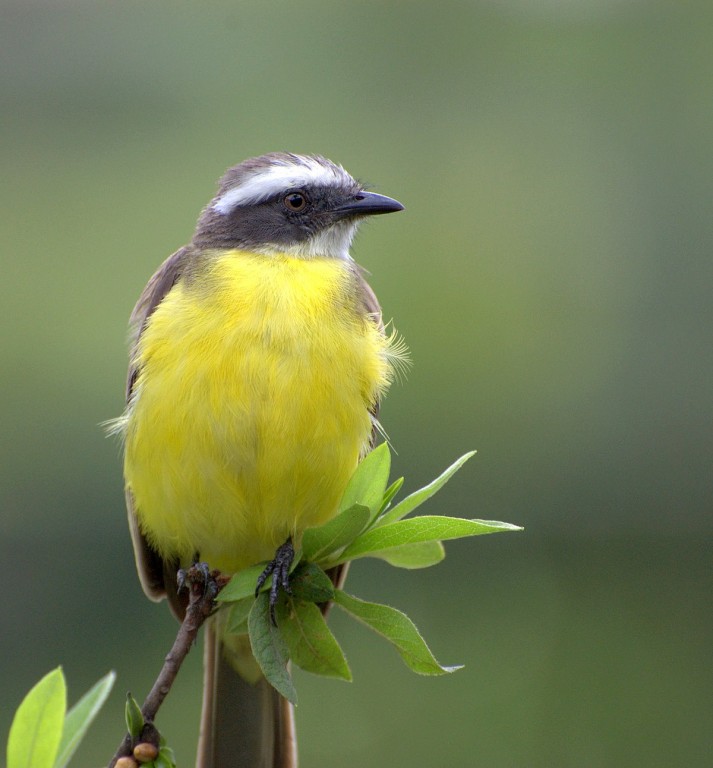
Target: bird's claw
x=199, y=574
x=279, y=569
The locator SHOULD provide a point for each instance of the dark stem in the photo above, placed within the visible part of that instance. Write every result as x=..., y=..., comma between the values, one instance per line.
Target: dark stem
x=200, y=607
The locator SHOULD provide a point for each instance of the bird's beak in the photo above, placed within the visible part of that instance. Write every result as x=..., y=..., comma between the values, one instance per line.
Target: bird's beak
x=368, y=204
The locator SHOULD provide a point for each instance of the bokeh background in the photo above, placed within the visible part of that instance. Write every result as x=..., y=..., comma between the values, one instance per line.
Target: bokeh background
x=552, y=274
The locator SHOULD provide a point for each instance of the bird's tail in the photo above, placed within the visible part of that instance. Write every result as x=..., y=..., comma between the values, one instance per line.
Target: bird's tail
x=243, y=724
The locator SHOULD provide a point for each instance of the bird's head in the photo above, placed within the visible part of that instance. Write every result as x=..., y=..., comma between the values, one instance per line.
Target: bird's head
x=304, y=205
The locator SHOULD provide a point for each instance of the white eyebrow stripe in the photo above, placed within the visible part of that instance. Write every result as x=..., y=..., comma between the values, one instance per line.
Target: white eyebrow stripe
x=274, y=180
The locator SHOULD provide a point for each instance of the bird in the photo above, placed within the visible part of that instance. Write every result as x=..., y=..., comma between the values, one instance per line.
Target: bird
x=258, y=360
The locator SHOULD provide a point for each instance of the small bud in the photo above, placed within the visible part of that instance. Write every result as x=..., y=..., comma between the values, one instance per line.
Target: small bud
x=145, y=752
x=126, y=762
x=133, y=716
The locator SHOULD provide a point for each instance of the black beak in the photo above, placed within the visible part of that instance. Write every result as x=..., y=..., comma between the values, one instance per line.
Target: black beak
x=368, y=204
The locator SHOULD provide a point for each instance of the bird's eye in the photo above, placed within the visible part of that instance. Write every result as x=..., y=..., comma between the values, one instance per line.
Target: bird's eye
x=295, y=201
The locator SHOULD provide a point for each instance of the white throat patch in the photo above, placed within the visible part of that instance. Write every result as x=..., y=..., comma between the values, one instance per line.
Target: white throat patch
x=279, y=177
x=333, y=242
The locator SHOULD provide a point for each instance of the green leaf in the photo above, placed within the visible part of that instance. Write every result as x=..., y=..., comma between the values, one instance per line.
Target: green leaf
x=242, y=584
x=133, y=716
x=311, y=584
x=389, y=494
x=165, y=759
x=269, y=648
x=419, y=529
x=421, y=555
x=36, y=729
x=310, y=642
x=236, y=622
x=338, y=532
x=368, y=483
x=398, y=629
x=417, y=498
x=80, y=717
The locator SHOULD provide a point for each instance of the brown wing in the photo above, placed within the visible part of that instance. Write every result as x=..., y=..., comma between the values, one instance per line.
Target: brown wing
x=372, y=308
x=158, y=577
x=161, y=282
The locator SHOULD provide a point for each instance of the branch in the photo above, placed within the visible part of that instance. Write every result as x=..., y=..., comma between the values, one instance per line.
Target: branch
x=203, y=589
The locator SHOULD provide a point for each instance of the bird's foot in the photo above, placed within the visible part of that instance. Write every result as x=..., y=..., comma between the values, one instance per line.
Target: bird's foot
x=198, y=577
x=279, y=568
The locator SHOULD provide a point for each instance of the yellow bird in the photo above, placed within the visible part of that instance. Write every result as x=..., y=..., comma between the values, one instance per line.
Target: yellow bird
x=258, y=360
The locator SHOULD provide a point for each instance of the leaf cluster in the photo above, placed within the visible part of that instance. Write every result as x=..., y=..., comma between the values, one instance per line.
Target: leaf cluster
x=367, y=524
x=43, y=733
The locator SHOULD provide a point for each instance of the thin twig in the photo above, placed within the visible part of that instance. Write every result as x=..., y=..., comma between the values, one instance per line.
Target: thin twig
x=200, y=606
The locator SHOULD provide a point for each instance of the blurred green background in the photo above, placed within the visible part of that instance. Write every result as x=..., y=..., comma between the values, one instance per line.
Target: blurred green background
x=552, y=275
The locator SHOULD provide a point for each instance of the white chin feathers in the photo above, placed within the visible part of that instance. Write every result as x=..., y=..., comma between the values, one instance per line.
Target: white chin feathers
x=333, y=243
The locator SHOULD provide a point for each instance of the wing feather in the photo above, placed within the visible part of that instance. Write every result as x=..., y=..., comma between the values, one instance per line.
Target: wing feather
x=372, y=308
x=158, y=578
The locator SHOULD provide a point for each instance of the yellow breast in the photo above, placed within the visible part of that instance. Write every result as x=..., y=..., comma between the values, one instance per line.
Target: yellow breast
x=251, y=408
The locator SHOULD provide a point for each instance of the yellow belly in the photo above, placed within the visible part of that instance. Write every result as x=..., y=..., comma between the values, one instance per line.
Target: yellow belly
x=251, y=409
